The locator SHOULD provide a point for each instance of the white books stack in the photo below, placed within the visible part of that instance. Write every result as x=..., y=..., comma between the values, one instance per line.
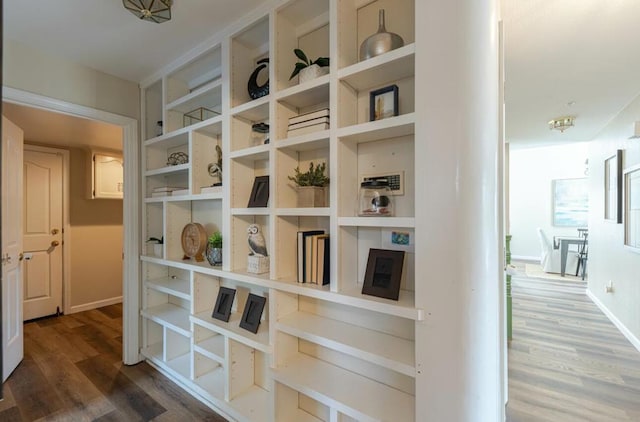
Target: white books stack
x=308, y=122
x=167, y=191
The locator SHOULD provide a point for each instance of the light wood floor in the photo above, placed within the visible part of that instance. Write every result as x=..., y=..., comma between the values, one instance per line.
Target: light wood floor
x=72, y=371
x=567, y=361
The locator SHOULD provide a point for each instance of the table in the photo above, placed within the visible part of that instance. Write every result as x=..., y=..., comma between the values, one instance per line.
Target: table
x=565, y=241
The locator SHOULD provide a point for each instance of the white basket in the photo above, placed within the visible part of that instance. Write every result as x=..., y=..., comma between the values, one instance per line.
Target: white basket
x=257, y=264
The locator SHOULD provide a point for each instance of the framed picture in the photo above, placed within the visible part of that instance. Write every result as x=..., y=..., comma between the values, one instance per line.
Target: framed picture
x=222, y=308
x=383, y=274
x=252, y=312
x=259, y=192
x=570, y=202
x=383, y=103
x=613, y=187
x=632, y=208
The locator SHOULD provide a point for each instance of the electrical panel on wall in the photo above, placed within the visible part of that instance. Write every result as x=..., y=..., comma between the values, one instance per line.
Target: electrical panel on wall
x=107, y=176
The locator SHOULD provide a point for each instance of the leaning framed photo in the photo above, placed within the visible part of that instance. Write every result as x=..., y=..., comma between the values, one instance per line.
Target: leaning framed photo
x=252, y=312
x=383, y=274
x=260, y=192
x=383, y=103
x=613, y=187
x=632, y=208
x=224, y=302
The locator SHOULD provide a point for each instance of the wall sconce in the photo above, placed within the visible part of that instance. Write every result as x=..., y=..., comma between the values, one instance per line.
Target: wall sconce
x=562, y=123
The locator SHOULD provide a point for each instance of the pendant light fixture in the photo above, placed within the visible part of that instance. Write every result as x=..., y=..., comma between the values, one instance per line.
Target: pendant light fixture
x=157, y=11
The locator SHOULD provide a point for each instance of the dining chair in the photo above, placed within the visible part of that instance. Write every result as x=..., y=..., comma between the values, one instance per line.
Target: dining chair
x=583, y=254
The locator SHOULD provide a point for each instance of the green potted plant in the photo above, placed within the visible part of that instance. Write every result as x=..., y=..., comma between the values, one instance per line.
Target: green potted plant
x=309, y=69
x=311, y=185
x=157, y=245
x=214, y=249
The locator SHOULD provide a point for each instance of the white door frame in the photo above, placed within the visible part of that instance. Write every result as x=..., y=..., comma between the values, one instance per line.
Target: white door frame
x=66, y=243
x=131, y=205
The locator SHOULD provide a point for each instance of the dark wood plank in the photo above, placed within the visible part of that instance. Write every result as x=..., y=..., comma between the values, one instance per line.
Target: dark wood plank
x=11, y=414
x=130, y=399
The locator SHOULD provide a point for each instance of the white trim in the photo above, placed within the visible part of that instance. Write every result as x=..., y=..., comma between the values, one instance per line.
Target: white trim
x=131, y=205
x=66, y=231
x=94, y=305
x=635, y=341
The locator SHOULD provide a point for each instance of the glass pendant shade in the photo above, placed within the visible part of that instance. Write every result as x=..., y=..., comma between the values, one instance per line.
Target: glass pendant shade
x=157, y=11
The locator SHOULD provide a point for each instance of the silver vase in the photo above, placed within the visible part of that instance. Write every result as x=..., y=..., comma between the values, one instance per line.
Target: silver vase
x=380, y=42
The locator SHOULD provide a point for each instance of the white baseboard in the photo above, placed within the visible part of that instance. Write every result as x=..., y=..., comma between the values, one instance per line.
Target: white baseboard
x=525, y=258
x=94, y=305
x=623, y=329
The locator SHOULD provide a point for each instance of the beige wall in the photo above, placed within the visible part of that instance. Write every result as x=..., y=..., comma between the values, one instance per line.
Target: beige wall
x=608, y=259
x=95, y=240
x=36, y=71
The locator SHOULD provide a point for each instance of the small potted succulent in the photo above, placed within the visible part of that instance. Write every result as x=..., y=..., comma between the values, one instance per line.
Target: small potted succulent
x=311, y=185
x=214, y=249
x=157, y=245
x=309, y=69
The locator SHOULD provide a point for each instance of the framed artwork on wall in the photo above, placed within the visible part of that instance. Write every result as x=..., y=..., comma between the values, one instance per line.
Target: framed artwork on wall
x=570, y=202
x=632, y=208
x=613, y=187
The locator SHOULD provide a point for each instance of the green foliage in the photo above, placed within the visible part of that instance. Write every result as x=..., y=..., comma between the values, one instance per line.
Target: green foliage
x=159, y=241
x=313, y=177
x=215, y=240
x=320, y=61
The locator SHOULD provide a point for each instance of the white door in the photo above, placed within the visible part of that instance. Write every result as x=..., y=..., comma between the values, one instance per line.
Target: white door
x=12, y=338
x=42, y=234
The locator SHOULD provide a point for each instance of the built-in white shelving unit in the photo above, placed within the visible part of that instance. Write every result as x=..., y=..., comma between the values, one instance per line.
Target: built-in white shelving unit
x=321, y=353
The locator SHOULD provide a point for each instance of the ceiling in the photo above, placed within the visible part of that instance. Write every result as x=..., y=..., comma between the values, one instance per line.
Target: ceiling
x=562, y=57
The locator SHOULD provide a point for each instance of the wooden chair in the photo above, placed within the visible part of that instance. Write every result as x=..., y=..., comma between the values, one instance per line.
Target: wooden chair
x=583, y=254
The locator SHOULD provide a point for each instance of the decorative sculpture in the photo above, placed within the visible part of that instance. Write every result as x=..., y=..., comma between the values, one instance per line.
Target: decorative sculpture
x=256, y=91
x=257, y=244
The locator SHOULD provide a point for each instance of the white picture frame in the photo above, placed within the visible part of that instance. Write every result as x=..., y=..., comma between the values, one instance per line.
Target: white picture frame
x=632, y=208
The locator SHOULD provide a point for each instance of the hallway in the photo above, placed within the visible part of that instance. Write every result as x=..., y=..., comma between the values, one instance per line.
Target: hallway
x=72, y=371
x=567, y=361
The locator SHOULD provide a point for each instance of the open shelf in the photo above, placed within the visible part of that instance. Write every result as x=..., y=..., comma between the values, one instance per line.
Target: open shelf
x=172, y=286
x=306, y=94
x=212, y=348
x=391, y=127
x=391, y=66
x=399, y=222
x=180, y=168
x=304, y=212
x=306, y=142
x=231, y=329
x=351, y=393
x=180, y=366
x=171, y=316
x=374, y=346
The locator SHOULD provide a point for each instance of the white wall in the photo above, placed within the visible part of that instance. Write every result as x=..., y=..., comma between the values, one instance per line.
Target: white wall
x=608, y=259
x=531, y=172
x=36, y=71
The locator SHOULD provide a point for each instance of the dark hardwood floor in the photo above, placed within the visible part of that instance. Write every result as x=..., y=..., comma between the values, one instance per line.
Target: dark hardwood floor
x=72, y=371
x=567, y=361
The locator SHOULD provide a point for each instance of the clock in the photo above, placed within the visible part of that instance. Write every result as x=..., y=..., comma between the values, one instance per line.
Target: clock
x=194, y=241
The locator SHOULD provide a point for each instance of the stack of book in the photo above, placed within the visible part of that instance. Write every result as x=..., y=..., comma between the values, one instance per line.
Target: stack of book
x=313, y=257
x=308, y=122
x=168, y=191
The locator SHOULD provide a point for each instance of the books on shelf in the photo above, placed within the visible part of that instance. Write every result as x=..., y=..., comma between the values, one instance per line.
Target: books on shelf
x=313, y=257
x=324, y=112
x=168, y=191
x=308, y=122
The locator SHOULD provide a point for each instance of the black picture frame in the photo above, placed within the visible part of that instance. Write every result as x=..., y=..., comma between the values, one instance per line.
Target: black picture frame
x=613, y=187
x=224, y=302
x=259, y=193
x=383, y=274
x=383, y=103
x=252, y=312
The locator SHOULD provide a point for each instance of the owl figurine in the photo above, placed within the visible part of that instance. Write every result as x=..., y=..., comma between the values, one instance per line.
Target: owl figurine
x=257, y=244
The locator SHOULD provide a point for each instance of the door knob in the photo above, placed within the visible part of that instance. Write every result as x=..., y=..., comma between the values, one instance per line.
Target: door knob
x=55, y=243
x=21, y=256
x=55, y=231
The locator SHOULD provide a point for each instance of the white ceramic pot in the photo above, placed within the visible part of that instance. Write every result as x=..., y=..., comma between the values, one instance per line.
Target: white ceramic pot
x=312, y=72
